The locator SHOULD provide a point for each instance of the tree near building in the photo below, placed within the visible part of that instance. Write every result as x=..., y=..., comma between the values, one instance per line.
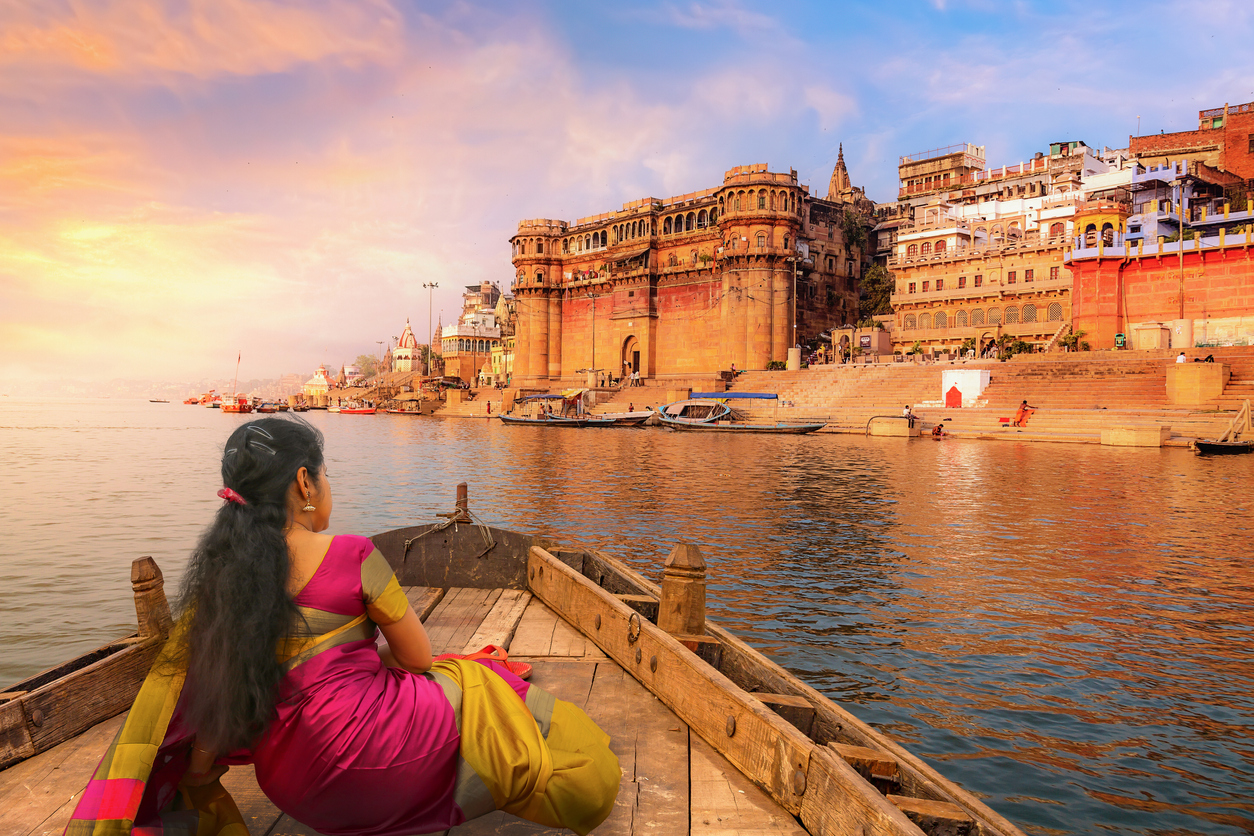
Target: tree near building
x=875, y=294
x=368, y=365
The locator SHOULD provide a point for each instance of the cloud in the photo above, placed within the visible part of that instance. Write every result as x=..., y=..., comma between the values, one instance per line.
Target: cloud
x=202, y=38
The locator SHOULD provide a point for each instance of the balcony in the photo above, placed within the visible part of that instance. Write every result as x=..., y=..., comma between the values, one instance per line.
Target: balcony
x=990, y=291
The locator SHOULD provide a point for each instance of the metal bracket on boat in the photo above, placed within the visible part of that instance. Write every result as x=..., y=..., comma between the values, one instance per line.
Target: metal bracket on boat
x=633, y=628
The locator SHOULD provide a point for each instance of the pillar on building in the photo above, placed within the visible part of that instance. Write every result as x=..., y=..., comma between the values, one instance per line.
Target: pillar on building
x=555, y=336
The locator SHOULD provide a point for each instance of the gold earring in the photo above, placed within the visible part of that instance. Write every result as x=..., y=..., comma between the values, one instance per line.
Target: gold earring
x=308, y=506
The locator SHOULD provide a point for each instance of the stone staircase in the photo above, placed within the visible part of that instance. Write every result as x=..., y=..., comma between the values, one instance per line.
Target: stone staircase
x=1077, y=395
x=474, y=405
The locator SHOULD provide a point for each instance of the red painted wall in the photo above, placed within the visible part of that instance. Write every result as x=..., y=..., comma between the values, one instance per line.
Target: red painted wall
x=1109, y=296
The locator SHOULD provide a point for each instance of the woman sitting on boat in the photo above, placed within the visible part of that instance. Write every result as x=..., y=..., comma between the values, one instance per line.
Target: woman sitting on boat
x=274, y=662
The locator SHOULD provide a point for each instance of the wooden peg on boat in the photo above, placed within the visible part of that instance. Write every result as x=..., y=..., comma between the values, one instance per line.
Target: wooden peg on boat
x=682, y=610
x=461, y=511
x=151, y=607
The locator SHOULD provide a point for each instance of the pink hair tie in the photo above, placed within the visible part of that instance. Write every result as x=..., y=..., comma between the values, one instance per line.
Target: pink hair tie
x=231, y=496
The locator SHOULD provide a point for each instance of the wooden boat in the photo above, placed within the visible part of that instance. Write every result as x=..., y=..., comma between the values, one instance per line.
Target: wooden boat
x=268, y=408
x=547, y=420
x=156, y=400
x=707, y=412
x=403, y=411
x=712, y=736
x=1237, y=439
x=636, y=418
x=237, y=403
x=357, y=410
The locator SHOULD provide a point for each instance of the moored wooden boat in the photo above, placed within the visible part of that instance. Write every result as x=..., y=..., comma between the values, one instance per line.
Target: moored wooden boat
x=1237, y=439
x=708, y=412
x=811, y=766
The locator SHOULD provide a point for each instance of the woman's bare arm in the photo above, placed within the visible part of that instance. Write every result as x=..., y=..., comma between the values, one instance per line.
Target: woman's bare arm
x=408, y=644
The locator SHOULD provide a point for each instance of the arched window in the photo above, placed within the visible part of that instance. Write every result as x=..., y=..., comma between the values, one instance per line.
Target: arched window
x=604, y=236
x=994, y=316
x=761, y=240
x=907, y=324
x=912, y=251
x=461, y=345
x=772, y=200
x=925, y=321
x=940, y=247
x=737, y=202
x=666, y=227
x=926, y=249
x=539, y=275
x=940, y=321
x=1014, y=233
x=1108, y=235
x=762, y=199
x=1029, y=313
x=703, y=219
x=791, y=204
x=1090, y=235
x=785, y=242
x=1057, y=228
x=1055, y=312
x=540, y=247
x=690, y=222
x=960, y=319
x=720, y=204
x=1012, y=315
x=565, y=246
x=977, y=317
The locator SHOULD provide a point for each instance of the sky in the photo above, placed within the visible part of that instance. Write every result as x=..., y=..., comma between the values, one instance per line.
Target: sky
x=187, y=183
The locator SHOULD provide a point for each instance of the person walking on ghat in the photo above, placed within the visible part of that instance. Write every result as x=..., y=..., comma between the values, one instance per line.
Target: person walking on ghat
x=274, y=662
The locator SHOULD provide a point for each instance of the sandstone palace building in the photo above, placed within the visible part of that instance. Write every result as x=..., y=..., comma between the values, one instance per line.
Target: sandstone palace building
x=685, y=287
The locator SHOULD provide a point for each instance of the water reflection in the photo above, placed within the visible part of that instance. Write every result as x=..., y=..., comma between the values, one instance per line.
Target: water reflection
x=1065, y=628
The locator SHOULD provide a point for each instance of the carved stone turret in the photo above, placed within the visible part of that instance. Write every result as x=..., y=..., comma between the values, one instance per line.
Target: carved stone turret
x=151, y=608
x=682, y=611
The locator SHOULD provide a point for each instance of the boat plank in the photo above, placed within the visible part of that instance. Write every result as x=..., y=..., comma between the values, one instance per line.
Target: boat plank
x=457, y=616
x=652, y=745
x=423, y=599
x=501, y=622
x=258, y=812
x=38, y=794
x=768, y=749
x=725, y=802
x=534, y=636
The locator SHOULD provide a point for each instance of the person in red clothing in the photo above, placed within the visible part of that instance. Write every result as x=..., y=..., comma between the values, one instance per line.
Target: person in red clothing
x=1024, y=413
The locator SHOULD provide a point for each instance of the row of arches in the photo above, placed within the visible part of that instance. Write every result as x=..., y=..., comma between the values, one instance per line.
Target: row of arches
x=979, y=316
x=464, y=345
x=782, y=201
x=589, y=241
x=689, y=222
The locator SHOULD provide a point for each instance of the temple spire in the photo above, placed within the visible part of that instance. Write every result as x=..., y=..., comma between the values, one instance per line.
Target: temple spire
x=840, y=176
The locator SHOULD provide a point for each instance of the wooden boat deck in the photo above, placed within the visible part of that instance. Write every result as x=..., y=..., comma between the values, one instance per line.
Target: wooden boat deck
x=673, y=781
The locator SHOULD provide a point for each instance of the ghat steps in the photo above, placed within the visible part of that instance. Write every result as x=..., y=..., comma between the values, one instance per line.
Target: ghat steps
x=1076, y=395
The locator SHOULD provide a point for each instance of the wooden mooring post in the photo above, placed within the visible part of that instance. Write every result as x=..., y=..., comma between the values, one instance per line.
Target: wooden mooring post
x=152, y=610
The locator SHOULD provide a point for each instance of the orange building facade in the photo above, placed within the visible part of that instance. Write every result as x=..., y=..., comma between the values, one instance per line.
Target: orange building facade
x=685, y=287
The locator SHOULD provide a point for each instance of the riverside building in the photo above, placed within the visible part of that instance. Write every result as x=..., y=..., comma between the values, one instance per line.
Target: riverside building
x=684, y=287
x=983, y=252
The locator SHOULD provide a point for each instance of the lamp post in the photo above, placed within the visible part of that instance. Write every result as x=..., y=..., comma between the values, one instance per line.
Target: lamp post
x=430, y=286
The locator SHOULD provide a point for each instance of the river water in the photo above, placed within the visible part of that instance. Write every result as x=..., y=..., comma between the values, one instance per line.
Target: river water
x=1064, y=630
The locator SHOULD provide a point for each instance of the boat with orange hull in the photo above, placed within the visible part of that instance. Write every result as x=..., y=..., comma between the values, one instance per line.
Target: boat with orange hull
x=237, y=403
